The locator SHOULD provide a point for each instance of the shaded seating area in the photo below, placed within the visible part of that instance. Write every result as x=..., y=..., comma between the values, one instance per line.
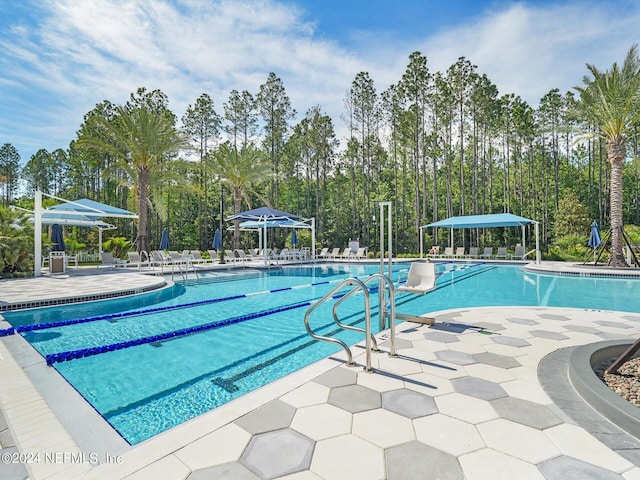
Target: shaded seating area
x=484, y=222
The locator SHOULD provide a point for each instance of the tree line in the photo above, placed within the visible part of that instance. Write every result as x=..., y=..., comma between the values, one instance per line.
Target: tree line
x=436, y=144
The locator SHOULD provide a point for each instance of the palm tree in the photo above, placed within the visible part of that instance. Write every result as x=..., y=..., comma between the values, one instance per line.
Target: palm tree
x=144, y=144
x=610, y=102
x=241, y=170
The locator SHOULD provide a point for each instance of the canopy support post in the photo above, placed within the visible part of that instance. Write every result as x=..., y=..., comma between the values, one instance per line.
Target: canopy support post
x=37, y=239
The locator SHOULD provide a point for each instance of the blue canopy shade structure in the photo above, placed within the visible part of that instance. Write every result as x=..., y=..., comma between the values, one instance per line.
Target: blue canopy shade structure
x=485, y=221
x=80, y=213
x=482, y=221
x=217, y=240
x=164, y=239
x=266, y=217
x=56, y=238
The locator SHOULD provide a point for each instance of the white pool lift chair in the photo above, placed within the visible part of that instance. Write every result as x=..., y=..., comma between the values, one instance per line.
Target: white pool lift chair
x=421, y=279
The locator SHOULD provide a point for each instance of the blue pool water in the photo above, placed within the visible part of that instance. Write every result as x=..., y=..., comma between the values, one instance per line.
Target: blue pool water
x=146, y=389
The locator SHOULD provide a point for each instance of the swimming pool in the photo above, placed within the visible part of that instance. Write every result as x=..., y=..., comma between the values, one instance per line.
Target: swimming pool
x=257, y=332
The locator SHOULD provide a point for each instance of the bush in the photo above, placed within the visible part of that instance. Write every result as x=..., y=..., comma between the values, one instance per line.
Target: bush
x=570, y=248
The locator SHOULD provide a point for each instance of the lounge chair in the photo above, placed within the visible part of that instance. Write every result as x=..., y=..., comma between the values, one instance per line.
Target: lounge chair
x=346, y=253
x=502, y=253
x=448, y=252
x=361, y=253
x=213, y=254
x=334, y=253
x=137, y=259
x=196, y=257
x=434, y=252
x=230, y=256
x=519, y=253
x=473, y=252
x=158, y=259
x=487, y=253
x=109, y=261
x=240, y=255
x=421, y=278
x=459, y=252
x=324, y=253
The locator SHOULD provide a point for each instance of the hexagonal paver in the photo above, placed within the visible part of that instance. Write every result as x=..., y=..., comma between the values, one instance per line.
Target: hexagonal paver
x=441, y=337
x=408, y=403
x=549, y=335
x=496, y=360
x=553, y=316
x=490, y=327
x=222, y=472
x=335, y=421
x=381, y=381
x=310, y=393
x=220, y=446
x=478, y=388
x=272, y=416
x=398, y=365
x=608, y=323
x=517, y=440
x=465, y=408
x=457, y=358
x=448, y=434
x=416, y=460
x=510, y=341
x=426, y=384
x=357, y=459
x=383, y=428
x=568, y=468
x=338, y=377
x=400, y=344
x=582, y=329
x=525, y=412
x=576, y=442
x=523, y=321
x=278, y=453
x=488, y=463
x=354, y=398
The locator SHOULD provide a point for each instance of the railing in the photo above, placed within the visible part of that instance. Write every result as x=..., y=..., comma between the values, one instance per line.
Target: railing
x=370, y=340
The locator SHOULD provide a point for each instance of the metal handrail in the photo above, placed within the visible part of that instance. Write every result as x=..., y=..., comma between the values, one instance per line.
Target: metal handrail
x=367, y=311
x=392, y=310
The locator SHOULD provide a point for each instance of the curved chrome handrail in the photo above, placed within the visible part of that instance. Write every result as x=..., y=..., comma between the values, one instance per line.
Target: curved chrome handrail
x=359, y=286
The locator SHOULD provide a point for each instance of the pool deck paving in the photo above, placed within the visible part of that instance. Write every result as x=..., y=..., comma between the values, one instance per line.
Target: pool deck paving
x=484, y=393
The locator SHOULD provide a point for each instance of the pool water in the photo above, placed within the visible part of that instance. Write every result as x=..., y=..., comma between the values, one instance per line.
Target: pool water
x=146, y=389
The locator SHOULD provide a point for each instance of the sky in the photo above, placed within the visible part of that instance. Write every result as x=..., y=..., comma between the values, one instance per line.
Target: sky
x=59, y=58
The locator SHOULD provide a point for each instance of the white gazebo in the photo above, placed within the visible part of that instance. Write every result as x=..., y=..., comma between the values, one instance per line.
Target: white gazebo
x=266, y=217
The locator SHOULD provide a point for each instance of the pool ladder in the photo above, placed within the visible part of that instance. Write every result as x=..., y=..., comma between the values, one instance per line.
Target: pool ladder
x=360, y=286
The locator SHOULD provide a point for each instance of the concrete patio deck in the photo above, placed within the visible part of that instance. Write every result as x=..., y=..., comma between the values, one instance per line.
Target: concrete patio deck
x=482, y=394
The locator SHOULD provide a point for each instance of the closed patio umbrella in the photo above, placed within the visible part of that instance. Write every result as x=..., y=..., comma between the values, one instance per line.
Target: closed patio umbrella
x=56, y=238
x=594, y=239
x=164, y=240
x=217, y=240
x=294, y=237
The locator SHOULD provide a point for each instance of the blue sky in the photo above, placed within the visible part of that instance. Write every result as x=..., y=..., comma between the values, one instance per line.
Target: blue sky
x=59, y=58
